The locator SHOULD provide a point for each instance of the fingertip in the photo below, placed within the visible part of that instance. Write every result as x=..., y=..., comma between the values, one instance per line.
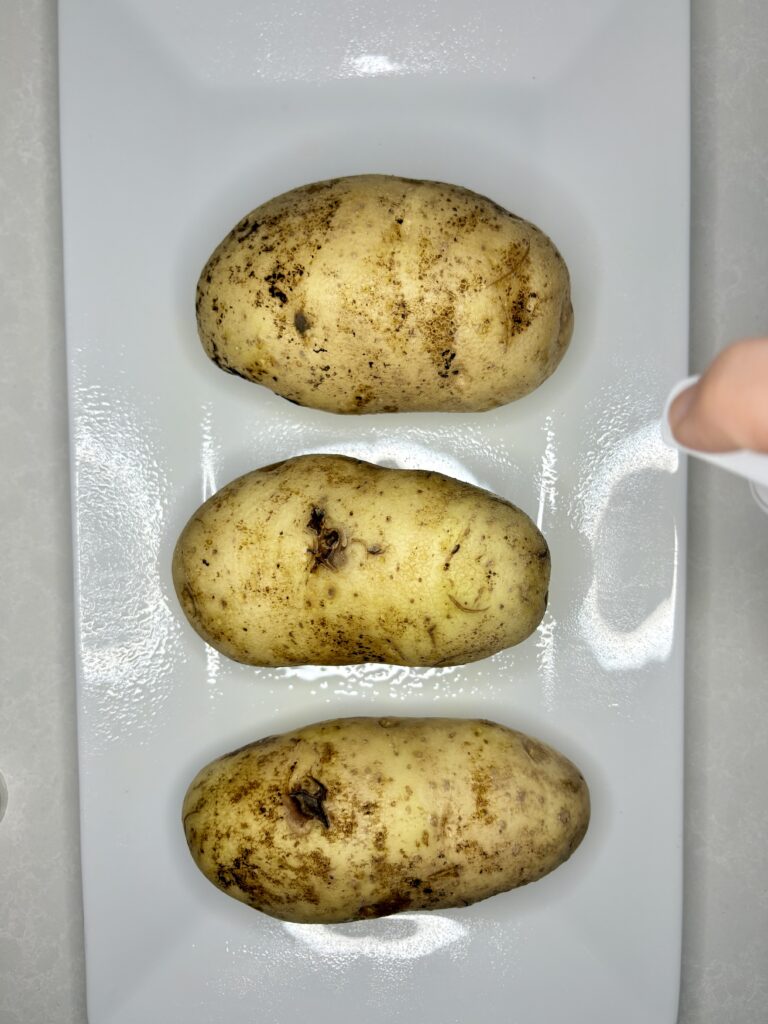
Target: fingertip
x=678, y=414
x=695, y=426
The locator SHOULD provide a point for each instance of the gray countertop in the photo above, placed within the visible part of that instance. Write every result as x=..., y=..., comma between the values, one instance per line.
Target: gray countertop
x=725, y=942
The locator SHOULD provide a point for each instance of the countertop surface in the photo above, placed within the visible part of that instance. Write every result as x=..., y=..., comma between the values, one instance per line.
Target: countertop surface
x=725, y=940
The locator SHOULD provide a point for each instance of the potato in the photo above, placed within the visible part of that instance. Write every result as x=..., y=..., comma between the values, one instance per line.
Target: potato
x=328, y=560
x=364, y=817
x=385, y=294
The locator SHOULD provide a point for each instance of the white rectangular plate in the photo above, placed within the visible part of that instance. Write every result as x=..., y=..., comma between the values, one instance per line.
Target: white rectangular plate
x=178, y=118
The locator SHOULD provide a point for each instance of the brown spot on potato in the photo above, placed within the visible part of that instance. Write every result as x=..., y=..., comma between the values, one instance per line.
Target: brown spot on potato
x=300, y=322
x=308, y=798
x=328, y=542
x=465, y=607
x=536, y=751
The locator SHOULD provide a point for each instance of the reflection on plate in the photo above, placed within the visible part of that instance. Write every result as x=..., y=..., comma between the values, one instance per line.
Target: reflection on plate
x=404, y=937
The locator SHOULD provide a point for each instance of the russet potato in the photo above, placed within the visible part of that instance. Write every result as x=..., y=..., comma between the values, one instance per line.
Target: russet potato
x=364, y=817
x=328, y=560
x=383, y=294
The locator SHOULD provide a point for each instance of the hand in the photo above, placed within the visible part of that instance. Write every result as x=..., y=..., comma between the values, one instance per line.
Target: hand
x=728, y=407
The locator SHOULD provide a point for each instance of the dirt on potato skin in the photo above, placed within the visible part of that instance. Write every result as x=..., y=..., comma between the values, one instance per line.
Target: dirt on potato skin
x=324, y=559
x=375, y=293
x=419, y=814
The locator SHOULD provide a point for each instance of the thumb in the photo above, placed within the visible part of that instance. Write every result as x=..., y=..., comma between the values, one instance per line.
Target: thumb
x=694, y=426
x=728, y=407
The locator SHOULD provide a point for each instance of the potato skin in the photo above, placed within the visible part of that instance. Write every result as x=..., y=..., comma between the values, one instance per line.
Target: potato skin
x=383, y=294
x=328, y=560
x=364, y=817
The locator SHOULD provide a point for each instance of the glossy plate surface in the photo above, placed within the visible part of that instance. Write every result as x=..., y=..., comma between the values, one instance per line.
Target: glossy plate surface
x=178, y=118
